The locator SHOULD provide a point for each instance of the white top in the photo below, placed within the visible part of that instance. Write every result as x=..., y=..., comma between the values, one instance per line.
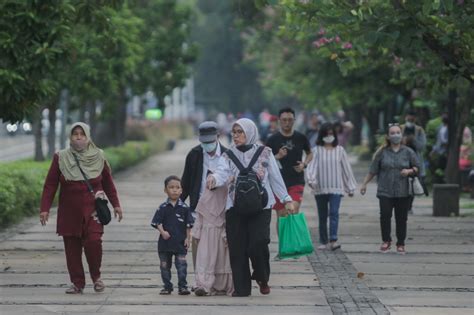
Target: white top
x=209, y=164
x=266, y=169
x=330, y=172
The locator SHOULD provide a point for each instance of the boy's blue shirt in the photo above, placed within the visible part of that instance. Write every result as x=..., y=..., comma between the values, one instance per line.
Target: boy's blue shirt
x=175, y=220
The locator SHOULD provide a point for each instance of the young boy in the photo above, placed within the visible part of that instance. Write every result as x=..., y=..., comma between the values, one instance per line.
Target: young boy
x=174, y=222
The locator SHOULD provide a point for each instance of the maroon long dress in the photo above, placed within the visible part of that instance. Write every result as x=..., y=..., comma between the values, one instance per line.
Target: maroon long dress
x=75, y=223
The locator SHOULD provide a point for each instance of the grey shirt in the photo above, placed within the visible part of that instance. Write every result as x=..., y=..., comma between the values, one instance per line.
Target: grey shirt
x=387, y=165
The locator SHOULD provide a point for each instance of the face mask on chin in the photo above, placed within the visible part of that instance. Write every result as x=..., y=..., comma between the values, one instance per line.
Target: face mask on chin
x=328, y=139
x=209, y=147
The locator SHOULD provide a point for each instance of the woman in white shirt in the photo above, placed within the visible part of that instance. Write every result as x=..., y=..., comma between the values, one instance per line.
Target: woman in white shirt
x=248, y=236
x=329, y=175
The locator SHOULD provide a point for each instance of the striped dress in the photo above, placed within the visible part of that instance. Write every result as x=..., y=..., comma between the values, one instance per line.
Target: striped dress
x=330, y=172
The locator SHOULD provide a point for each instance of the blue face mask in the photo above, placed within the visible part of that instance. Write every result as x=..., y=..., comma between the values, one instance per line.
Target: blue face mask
x=209, y=147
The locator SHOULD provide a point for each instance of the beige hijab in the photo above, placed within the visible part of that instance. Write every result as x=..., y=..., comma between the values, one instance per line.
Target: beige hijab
x=91, y=159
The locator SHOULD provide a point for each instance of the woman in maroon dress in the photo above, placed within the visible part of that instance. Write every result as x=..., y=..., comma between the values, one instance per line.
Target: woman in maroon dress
x=77, y=222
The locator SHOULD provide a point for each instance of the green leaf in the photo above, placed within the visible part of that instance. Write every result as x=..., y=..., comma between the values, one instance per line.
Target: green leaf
x=427, y=5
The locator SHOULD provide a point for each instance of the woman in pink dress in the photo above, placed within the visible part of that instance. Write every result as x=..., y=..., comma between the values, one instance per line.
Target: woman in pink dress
x=213, y=272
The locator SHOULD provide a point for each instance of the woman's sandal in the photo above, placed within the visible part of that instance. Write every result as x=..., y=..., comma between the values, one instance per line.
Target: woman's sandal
x=385, y=247
x=73, y=290
x=99, y=286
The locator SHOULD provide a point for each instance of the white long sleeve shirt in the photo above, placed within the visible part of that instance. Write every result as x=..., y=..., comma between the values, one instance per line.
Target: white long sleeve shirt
x=330, y=172
x=266, y=169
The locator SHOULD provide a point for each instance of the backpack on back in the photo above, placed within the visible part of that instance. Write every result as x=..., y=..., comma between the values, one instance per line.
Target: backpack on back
x=250, y=196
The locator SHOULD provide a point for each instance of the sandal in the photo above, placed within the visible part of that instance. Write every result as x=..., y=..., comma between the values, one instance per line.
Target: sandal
x=401, y=249
x=99, y=286
x=385, y=247
x=73, y=290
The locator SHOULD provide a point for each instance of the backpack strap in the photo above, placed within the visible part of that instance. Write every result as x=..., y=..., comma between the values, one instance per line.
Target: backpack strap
x=255, y=157
x=234, y=159
x=239, y=165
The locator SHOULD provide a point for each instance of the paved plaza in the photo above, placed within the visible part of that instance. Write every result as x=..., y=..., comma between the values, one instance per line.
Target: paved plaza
x=435, y=277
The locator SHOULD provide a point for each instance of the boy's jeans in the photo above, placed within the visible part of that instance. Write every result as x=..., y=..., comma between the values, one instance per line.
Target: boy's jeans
x=322, y=201
x=165, y=268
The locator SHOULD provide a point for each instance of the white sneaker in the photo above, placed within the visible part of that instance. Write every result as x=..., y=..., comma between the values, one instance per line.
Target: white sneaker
x=323, y=247
x=335, y=245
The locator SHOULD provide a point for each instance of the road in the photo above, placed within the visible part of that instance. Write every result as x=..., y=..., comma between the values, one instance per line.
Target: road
x=435, y=277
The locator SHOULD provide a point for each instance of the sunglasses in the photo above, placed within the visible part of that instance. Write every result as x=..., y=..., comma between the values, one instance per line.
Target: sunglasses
x=393, y=124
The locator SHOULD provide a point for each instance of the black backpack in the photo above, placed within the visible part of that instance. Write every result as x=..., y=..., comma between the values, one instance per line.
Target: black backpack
x=250, y=196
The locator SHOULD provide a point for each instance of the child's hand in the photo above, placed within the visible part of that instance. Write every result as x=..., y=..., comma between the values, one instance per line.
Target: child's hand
x=165, y=235
x=186, y=243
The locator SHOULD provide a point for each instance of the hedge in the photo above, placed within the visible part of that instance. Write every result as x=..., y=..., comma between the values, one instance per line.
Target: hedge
x=21, y=182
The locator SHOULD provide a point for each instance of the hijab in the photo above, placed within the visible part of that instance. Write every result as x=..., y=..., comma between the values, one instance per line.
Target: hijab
x=91, y=159
x=251, y=134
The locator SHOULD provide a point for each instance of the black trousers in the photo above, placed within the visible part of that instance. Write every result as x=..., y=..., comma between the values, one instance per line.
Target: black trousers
x=401, y=206
x=248, y=238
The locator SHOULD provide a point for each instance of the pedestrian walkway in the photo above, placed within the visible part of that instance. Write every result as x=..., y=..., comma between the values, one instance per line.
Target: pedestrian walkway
x=435, y=277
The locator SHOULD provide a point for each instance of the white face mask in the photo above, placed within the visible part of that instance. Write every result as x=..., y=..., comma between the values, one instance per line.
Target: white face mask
x=410, y=124
x=395, y=138
x=328, y=139
x=209, y=147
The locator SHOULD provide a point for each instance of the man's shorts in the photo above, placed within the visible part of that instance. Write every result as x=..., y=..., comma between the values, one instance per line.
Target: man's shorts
x=295, y=192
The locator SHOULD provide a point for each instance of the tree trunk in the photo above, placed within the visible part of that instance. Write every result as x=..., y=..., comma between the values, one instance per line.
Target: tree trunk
x=64, y=105
x=93, y=118
x=82, y=112
x=458, y=118
x=52, y=129
x=38, y=136
x=121, y=117
x=373, y=121
x=355, y=116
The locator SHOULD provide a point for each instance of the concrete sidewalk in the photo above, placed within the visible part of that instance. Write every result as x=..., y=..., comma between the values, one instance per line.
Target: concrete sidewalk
x=435, y=277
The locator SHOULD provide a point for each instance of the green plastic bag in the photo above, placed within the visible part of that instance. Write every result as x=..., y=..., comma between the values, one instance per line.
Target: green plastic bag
x=295, y=240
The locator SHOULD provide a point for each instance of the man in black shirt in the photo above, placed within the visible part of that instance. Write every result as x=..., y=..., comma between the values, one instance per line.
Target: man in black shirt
x=201, y=160
x=288, y=146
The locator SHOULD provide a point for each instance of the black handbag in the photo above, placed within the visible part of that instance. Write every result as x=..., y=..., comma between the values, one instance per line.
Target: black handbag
x=101, y=205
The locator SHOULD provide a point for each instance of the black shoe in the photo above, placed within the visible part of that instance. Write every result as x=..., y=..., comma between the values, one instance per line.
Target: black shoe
x=166, y=291
x=184, y=291
x=235, y=294
x=200, y=291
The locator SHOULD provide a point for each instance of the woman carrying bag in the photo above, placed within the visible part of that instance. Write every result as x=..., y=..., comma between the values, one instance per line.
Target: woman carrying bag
x=393, y=164
x=248, y=234
x=77, y=221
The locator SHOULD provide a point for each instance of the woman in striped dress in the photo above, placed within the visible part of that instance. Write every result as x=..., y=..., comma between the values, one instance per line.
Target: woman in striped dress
x=329, y=175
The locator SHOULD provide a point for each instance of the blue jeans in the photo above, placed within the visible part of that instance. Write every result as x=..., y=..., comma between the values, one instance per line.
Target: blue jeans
x=165, y=268
x=324, y=203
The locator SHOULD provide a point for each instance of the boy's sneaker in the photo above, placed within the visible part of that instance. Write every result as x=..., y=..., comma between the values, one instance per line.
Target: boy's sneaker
x=165, y=291
x=200, y=291
x=184, y=291
x=385, y=247
x=401, y=249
